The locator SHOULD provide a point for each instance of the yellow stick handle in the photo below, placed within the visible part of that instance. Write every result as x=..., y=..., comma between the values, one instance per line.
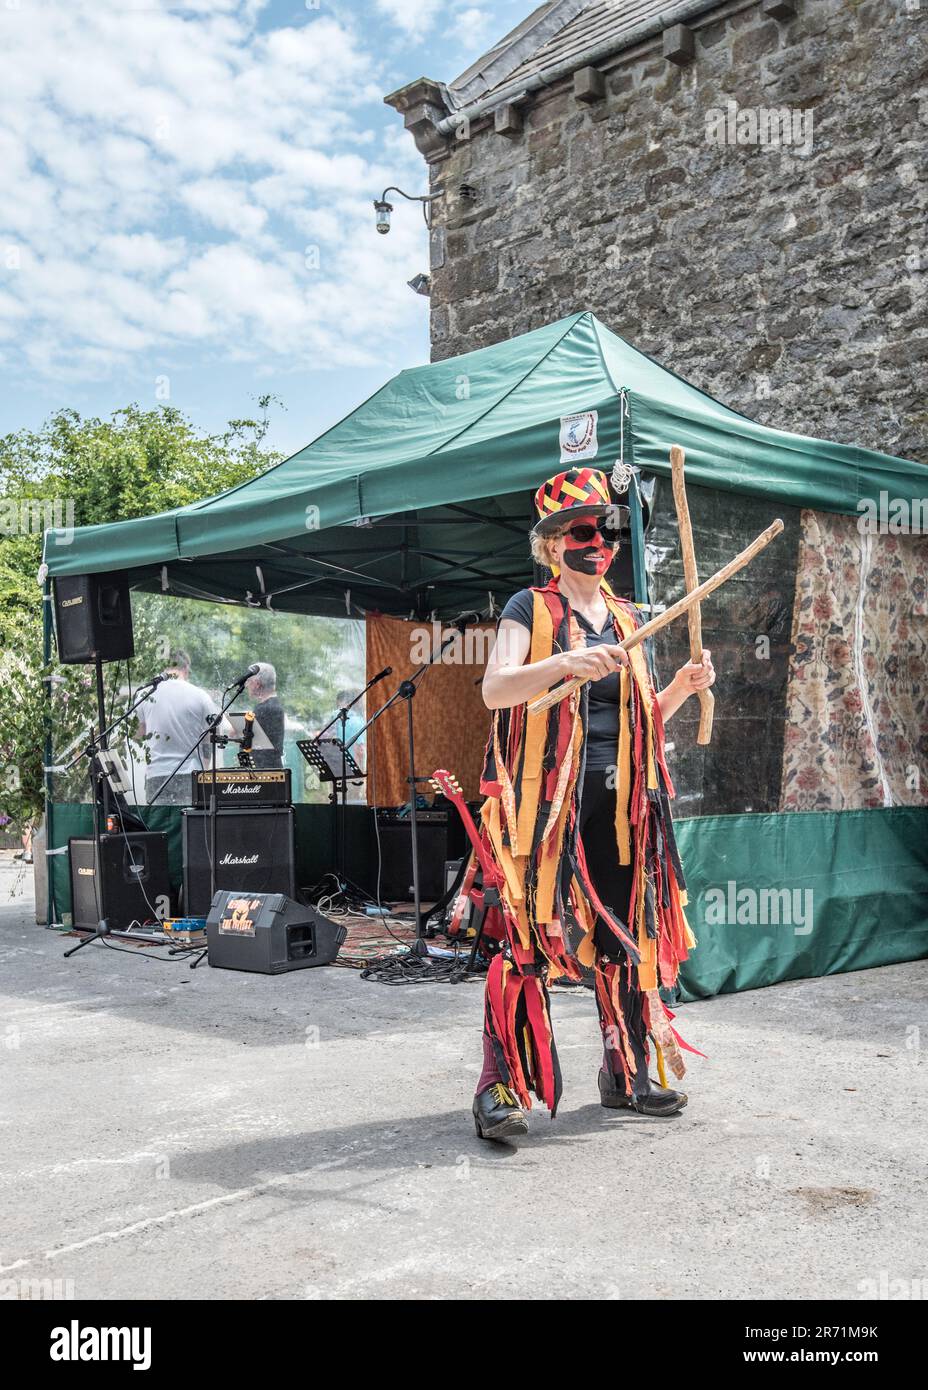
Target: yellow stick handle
x=682, y=605
x=694, y=617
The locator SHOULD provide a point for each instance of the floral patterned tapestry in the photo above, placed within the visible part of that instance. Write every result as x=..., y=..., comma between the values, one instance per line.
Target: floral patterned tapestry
x=857, y=696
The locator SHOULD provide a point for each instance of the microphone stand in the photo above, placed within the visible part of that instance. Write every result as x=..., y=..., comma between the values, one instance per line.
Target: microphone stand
x=238, y=687
x=341, y=790
x=99, y=783
x=406, y=691
x=216, y=739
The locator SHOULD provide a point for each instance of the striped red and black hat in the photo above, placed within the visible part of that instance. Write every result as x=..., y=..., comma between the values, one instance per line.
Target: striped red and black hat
x=575, y=492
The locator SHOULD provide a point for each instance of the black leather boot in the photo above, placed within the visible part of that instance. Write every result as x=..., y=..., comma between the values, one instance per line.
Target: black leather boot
x=660, y=1100
x=497, y=1114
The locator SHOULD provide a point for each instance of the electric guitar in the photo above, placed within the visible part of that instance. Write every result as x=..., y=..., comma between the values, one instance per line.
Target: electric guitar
x=449, y=786
x=245, y=756
x=489, y=896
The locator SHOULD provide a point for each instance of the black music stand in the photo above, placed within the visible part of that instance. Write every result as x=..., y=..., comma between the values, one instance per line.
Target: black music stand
x=330, y=758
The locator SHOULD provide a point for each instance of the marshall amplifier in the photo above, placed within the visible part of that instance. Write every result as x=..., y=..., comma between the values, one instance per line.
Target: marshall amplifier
x=238, y=787
x=254, y=852
x=269, y=933
x=136, y=887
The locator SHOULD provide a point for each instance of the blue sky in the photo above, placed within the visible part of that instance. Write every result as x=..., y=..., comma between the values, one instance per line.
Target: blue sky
x=185, y=202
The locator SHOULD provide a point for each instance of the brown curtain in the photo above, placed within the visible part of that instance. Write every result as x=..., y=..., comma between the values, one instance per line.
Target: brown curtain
x=450, y=720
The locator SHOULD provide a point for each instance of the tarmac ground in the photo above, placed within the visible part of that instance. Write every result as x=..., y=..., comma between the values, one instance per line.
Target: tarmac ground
x=178, y=1133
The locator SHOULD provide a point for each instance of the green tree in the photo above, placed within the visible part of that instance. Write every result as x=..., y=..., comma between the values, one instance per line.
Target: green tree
x=78, y=471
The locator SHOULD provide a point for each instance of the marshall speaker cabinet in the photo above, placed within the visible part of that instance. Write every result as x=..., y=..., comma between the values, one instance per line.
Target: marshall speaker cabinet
x=269, y=933
x=136, y=887
x=93, y=618
x=254, y=852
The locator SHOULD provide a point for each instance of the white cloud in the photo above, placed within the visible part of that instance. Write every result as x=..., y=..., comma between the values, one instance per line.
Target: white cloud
x=411, y=16
x=225, y=204
x=163, y=170
x=472, y=28
x=142, y=253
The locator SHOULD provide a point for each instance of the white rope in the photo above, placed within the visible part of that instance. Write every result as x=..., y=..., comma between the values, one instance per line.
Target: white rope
x=857, y=653
x=621, y=471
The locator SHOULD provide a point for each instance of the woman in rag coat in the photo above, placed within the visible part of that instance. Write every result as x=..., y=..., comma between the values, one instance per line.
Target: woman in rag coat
x=577, y=820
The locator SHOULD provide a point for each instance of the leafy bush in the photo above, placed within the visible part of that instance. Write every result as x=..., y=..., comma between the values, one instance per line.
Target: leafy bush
x=81, y=472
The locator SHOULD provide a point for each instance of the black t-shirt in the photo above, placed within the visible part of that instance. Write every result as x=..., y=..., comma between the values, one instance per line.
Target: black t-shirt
x=603, y=726
x=270, y=715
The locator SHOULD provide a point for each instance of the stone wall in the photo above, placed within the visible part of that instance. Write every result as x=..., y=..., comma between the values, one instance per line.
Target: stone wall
x=791, y=287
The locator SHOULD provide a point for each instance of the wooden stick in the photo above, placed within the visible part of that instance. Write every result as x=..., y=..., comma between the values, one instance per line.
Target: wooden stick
x=682, y=605
x=694, y=617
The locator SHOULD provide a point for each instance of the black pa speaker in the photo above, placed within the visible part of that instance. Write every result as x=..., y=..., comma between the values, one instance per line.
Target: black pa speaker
x=254, y=853
x=269, y=933
x=136, y=887
x=93, y=618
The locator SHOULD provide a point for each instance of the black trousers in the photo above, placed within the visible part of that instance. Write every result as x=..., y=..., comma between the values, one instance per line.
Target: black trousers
x=613, y=883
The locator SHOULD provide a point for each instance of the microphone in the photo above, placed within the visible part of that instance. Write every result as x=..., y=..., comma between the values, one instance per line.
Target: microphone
x=253, y=670
x=387, y=671
x=463, y=619
x=156, y=680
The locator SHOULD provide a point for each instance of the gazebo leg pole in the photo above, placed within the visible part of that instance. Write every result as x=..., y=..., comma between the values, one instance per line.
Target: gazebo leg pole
x=51, y=908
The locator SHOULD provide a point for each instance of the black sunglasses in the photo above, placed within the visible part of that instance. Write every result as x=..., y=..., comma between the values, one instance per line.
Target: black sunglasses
x=585, y=531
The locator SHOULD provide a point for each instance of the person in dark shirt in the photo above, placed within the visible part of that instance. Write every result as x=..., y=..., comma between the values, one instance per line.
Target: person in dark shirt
x=269, y=713
x=603, y=727
x=585, y=784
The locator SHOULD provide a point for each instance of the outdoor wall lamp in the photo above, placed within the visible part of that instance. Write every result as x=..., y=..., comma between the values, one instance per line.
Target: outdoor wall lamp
x=383, y=208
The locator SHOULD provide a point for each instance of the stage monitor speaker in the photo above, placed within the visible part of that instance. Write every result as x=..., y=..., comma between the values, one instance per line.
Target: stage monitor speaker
x=136, y=887
x=93, y=618
x=269, y=933
x=254, y=849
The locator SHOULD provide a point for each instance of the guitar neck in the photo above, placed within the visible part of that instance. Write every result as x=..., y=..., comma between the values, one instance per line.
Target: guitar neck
x=441, y=781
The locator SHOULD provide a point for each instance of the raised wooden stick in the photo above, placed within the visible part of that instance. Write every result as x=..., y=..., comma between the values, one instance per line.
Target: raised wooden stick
x=682, y=605
x=694, y=617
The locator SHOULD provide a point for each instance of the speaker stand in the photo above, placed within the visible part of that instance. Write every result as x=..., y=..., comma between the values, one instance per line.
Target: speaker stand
x=100, y=801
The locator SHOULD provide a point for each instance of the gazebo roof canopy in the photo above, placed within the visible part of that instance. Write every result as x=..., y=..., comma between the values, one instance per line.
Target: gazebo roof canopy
x=420, y=499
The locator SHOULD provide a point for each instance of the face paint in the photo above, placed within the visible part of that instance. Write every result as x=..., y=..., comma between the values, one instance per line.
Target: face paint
x=586, y=549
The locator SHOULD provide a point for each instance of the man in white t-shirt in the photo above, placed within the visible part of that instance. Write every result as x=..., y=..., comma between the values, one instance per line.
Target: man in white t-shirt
x=170, y=720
